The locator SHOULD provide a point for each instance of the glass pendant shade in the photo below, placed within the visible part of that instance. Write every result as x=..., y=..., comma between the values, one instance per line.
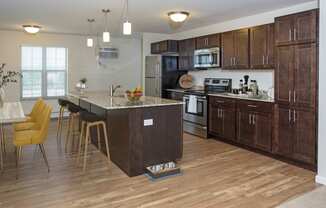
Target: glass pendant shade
x=106, y=37
x=90, y=42
x=127, y=28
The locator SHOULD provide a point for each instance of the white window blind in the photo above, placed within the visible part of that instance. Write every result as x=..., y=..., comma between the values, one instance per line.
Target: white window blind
x=44, y=71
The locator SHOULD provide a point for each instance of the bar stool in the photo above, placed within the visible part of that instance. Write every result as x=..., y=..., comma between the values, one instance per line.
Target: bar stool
x=74, y=111
x=90, y=120
x=63, y=106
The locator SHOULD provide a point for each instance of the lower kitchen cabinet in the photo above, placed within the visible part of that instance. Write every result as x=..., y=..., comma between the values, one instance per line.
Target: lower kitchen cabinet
x=296, y=134
x=222, y=118
x=246, y=128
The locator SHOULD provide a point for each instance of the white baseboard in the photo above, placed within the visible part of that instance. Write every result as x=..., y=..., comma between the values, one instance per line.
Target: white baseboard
x=320, y=179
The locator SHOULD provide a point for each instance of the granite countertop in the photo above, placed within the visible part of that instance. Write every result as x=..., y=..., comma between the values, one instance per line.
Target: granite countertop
x=243, y=97
x=103, y=100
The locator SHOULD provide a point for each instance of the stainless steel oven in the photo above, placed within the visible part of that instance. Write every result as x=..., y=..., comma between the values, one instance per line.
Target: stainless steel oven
x=195, y=122
x=207, y=58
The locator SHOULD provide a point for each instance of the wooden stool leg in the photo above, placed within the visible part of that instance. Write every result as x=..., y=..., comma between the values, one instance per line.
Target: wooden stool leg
x=44, y=156
x=80, y=140
x=86, y=146
x=68, y=132
x=19, y=150
x=106, y=141
x=3, y=139
x=98, y=137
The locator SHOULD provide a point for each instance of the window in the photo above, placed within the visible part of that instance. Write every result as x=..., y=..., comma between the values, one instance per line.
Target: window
x=44, y=71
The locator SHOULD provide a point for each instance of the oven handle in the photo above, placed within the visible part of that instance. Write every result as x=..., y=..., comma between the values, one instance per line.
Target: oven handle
x=202, y=98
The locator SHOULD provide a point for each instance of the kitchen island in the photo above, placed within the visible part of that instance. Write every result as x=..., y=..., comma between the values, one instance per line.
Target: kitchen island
x=141, y=134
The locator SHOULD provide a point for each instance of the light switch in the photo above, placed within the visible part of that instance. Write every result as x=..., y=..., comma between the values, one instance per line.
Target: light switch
x=148, y=122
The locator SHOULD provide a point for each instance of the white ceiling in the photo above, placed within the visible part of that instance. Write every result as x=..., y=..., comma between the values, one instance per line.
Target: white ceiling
x=69, y=16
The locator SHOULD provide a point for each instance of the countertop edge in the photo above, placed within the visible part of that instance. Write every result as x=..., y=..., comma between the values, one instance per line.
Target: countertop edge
x=242, y=98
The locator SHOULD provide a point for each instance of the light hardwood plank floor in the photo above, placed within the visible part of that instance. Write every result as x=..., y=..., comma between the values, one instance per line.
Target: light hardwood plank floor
x=215, y=174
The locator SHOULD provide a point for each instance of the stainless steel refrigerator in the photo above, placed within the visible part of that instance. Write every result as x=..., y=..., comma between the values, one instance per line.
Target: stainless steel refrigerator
x=161, y=73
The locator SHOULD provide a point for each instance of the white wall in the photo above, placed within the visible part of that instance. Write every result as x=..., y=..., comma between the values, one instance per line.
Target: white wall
x=81, y=61
x=321, y=177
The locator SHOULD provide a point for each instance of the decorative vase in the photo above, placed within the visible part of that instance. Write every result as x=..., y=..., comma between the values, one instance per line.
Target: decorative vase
x=2, y=97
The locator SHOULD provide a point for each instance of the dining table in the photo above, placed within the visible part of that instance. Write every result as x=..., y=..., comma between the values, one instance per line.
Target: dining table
x=10, y=112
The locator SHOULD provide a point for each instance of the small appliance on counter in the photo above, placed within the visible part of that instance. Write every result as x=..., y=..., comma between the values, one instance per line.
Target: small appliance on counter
x=195, y=107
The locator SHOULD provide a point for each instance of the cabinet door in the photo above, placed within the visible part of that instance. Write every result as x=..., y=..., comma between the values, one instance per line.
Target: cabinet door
x=214, y=40
x=305, y=27
x=263, y=136
x=269, y=62
x=155, y=48
x=227, y=50
x=304, y=141
x=191, y=46
x=215, y=121
x=201, y=42
x=283, y=140
x=284, y=30
x=258, y=47
x=246, y=129
x=305, y=75
x=241, y=39
x=229, y=123
x=284, y=74
x=163, y=46
x=182, y=54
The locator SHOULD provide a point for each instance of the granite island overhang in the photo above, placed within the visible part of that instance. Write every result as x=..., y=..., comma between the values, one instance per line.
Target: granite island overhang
x=140, y=134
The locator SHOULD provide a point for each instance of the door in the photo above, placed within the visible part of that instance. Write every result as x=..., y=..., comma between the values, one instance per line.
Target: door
x=269, y=62
x=304, y=141
x=152, y=68
x=305, y=27
x=284, y=74
x=258, y=46
x=284, y=30
x=215, y=120
x=283, y=139
x=305, y=75
x=229, y=123
x=241, y=38
x=246, y=129
x=153, y=87
x=263, y=136
x=227, y=50
x=214, y=40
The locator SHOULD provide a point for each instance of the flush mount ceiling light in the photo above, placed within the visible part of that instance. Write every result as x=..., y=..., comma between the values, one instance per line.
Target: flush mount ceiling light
x=178, y=16
x=90, y=41
x=33, y=29
x=106, y=33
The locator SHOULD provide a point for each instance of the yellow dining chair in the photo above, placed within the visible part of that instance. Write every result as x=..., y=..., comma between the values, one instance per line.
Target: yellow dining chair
x=31, y=121
x=36, y=136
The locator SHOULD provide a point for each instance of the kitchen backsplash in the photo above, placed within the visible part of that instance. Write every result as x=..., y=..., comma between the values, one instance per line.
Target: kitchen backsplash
x=265, y=78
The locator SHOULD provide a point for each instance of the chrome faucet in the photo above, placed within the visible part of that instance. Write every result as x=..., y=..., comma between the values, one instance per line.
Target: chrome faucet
x=113, y=89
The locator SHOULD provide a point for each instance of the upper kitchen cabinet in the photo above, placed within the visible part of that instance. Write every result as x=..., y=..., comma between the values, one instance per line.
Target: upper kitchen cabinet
x=235, y=49
x=297, y=28
x=166, y=46
x=208, y=41
x=296, y=75
x=186, y=54
x=262, y=47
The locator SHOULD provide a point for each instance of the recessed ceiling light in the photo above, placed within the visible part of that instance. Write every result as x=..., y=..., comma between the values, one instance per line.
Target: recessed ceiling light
x=178, y=16
x=32, y=28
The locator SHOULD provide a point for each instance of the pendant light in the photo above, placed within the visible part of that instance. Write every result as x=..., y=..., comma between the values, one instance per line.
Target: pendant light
x=106, y=33
x=90, y=41
x=127, y=24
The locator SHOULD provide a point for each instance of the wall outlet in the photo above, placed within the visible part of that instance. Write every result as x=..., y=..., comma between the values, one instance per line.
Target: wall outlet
x=148, y=122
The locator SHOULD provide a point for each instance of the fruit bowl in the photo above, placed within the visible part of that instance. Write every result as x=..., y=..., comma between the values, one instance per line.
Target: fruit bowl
x=134, y=95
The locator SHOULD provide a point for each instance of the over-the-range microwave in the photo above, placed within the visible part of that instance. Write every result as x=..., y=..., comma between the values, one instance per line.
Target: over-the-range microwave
x=207, y=58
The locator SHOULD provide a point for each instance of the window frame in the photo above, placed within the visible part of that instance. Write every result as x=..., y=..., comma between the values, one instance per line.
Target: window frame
x=44, y=73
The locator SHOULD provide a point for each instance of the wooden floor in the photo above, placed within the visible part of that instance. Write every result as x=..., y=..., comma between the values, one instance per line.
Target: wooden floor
x=215, y=174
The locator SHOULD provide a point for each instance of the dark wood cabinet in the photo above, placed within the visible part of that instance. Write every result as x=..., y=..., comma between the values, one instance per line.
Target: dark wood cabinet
x=297, y=28
x=296, y=75
x=166, y=46
x=222, y=118
x=296, y=134
x=235, y=49
x=264, y=131
x=262, y=47
x=208, y=41
x=246, y=127
x=186, y=54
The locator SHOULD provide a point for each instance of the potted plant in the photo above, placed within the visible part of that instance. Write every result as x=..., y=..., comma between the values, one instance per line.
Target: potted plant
x=6, y=77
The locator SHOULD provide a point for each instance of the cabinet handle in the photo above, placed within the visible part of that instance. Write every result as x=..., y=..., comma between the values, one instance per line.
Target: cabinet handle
x=290, y=35
x=294, y=116
x=294, y=96
x=295, y=34
x=290, y=96
x=234, y=60
x=249, y=118
x=218, y=113
x=252, y=106
x=289, y=115
x=267, y=59
x=231, y=62
x=263, y=60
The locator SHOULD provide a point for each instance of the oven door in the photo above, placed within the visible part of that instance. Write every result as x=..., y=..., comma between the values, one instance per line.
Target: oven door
x=207, y=58
x=200, y=117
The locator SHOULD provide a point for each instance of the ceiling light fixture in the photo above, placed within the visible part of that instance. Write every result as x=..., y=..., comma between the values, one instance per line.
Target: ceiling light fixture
x=178, y=16
x=106, y=33
x=90, y=41
x=32, y=29
x=127, y=24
